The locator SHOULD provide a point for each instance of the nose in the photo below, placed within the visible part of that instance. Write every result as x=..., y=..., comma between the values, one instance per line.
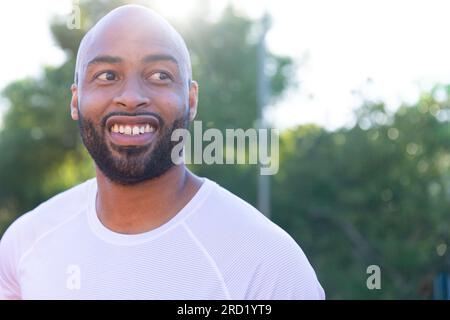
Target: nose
x=132, y=95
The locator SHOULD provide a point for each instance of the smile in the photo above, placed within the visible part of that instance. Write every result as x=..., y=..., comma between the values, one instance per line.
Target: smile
x=132, y=130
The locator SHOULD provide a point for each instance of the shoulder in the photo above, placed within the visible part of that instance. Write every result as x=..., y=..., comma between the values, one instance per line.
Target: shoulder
x=56, y=209
x=224, y=213
x=243, y=241
x=30, y=226
x=23, y=233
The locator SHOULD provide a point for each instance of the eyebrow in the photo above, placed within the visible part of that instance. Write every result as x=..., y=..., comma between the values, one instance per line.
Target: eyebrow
x=147, y=59
x=105, y=59
x=159, y=57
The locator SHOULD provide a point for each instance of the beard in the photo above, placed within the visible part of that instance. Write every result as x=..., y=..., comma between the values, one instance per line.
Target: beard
x=134, y=164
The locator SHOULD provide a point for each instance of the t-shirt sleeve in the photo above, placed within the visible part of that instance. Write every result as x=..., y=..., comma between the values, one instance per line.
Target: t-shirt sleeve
x=9, y=286
x=285, y=274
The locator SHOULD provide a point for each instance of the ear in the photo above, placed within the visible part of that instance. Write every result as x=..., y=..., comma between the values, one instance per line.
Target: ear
x=193, y=99
x=74, y=102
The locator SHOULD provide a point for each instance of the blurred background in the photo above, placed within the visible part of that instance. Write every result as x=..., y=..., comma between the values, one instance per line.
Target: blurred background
x=360, y=93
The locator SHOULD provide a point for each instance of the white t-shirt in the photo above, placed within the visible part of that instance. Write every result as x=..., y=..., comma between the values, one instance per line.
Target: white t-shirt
x=217, y=247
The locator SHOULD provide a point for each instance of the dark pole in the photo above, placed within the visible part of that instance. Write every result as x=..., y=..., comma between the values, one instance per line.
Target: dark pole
x=263, y=94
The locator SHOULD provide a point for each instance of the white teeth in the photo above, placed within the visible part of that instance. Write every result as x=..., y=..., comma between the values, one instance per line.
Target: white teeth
x=149, y=128
x=132, y=130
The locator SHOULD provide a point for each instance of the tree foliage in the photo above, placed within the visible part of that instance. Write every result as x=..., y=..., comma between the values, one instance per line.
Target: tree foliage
x=375, y=193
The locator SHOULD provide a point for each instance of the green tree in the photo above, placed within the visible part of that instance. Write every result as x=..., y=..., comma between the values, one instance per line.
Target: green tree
x=377, y=193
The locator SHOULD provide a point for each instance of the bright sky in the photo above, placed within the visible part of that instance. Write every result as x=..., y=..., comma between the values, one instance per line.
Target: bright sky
x=402, y=46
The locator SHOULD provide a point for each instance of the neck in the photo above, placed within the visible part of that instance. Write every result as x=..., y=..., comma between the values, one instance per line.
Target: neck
x=144, y=206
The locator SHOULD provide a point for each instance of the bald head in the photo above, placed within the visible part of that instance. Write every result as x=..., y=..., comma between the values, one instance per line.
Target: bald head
x=127, y=25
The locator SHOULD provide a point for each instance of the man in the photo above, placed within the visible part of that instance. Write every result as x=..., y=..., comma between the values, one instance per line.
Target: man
x=145, y=228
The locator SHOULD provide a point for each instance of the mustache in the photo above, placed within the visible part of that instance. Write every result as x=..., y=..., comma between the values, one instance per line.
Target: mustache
x=132, y=114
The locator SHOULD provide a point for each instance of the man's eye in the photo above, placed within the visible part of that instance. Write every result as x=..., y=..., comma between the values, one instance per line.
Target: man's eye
x=107, y=76
x=160, y=76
